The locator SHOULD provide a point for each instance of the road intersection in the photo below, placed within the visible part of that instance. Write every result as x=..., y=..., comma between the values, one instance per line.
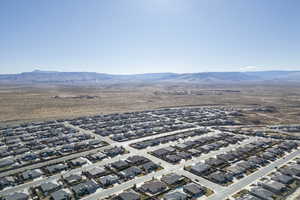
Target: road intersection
x=220, y=192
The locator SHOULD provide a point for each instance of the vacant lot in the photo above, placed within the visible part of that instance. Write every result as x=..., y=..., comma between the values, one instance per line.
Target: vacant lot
x=35, y=103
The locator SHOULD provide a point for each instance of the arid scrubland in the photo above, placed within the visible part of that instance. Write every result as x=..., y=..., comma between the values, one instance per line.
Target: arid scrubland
x=38, y=102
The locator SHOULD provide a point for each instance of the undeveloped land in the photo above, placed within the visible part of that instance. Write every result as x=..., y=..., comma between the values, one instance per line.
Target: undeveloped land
x=20, y=103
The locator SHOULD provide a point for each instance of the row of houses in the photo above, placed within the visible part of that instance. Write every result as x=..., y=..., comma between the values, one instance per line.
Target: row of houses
x=287, y=128
x=274, y=135
x=49, y=170
x=28, y=156
x=84, y=182
x=224, y=168
x=148, y=130
x=204, y=116
x=194, y=148
x=170, y=138
x=277, y=185
x=128, y=126
x=168, y=187
x=28, y=144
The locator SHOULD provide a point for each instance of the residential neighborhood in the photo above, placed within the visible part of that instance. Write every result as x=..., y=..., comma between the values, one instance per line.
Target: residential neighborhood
x=178, y=153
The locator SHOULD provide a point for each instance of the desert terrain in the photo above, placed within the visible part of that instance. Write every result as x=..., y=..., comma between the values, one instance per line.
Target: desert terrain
x=23, y=103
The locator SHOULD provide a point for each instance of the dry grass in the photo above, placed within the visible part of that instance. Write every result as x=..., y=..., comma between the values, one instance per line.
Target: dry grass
x=35, y=103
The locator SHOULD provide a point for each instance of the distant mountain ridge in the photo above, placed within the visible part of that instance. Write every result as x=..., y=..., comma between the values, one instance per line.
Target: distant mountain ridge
x=38, y=76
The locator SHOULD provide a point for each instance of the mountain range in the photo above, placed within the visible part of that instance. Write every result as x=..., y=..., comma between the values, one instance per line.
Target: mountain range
x=38, y=76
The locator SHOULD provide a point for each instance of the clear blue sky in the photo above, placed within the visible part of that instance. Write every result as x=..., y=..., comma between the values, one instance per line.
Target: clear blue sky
x=139, y=36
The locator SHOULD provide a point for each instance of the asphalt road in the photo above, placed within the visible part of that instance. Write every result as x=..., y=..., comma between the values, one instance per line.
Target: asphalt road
x=167, y=168
x=119, y=188
x=38, y=181
x=220, y=191
x=234, y=188
x=50, y=162
x=106, y=139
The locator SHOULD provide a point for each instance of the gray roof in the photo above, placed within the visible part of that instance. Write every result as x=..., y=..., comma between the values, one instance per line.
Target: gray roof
x=153, y=187
x=160, y=152
x=181, y=146
x=137, y=159
x=200, y=167
x=150, y=166
x=16, y=196
x=173, y=158
x=56, y=168
x=282, y=178
x=31, y=174
x=170, y=149
x=98, y=155
x=274, y=186
x=49, y=186
x=172, y=178
x=248, y=197
x=129, y=196
x=96, y=171
x=184, y=155
x=219, y=177
x=175, y=196
x=6, y=162
x=87, y=187
x=120, y=164
x=7, y=180
x=60, y=195
x=72, y=178
x=108, y=180
x=78, y=161
x=131, y=172
x=235, y=169
x=262, y=193
x=193, y=189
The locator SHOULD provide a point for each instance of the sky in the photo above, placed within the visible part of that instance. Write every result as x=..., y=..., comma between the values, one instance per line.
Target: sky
x=148, y=36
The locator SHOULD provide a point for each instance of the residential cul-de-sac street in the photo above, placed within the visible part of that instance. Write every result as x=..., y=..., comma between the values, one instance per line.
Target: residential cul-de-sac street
x=174, y=153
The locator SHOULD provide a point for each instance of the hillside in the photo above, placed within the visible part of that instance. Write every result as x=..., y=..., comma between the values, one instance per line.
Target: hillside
x=205, y=77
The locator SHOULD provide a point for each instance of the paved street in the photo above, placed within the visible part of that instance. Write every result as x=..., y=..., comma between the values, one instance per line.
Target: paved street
x=54, y=177
x=234, y=188
x=119, y=188
x=50, y=162
x=220, y=192
x=106, y=139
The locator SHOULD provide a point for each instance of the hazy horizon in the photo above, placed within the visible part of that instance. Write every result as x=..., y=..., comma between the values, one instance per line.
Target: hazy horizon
x=39, y=70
